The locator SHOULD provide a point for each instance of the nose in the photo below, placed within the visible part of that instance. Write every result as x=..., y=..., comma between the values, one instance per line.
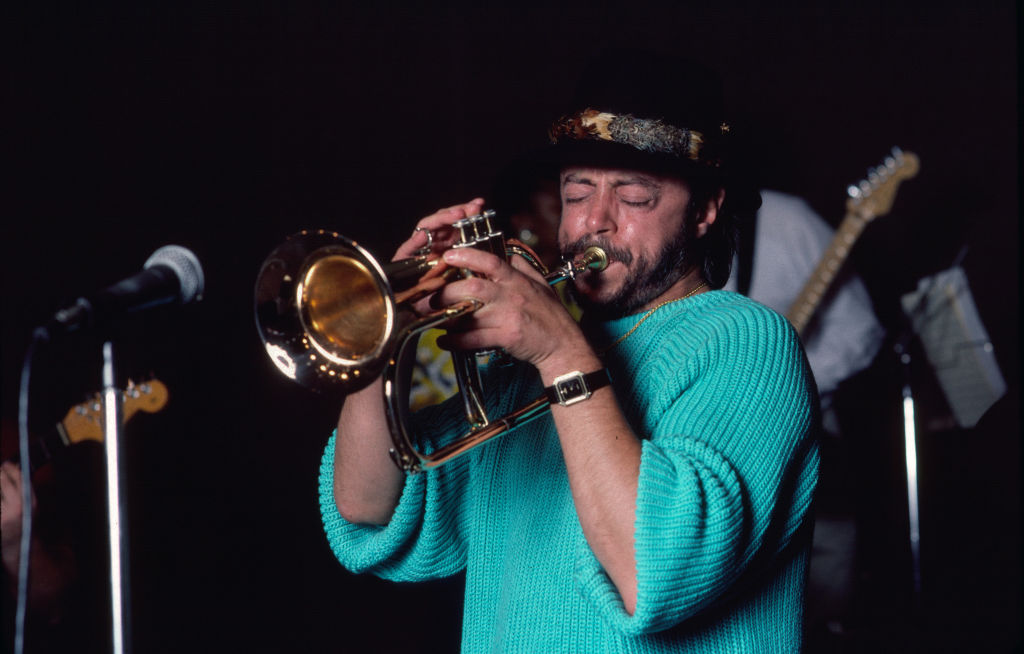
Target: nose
x=600, y=217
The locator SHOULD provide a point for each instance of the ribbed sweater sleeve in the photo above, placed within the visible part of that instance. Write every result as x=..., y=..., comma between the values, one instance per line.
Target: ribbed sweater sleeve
x=726, y=414
x=424, y=539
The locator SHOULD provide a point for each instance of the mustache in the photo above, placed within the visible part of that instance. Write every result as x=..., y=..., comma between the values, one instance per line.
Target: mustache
x=578, y=247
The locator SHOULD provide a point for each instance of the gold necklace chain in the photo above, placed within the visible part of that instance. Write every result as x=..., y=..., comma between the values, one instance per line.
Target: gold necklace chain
x=648, y=315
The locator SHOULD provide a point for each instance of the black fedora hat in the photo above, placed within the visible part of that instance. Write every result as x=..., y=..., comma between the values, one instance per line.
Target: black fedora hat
x=641, y=109
x=644, y=110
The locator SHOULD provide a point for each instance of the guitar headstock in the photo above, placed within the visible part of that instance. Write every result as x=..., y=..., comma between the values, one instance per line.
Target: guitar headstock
x=85, y=421
x=874, y=195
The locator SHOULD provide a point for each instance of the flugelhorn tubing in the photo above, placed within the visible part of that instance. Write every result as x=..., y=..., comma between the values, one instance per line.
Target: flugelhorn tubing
x=412, y=269
x=404, y=452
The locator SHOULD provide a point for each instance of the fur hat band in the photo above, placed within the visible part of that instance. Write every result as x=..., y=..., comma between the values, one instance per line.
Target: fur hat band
x=646, y=135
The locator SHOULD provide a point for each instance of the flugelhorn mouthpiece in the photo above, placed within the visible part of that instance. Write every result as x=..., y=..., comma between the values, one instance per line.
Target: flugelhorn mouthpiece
x=594, y=258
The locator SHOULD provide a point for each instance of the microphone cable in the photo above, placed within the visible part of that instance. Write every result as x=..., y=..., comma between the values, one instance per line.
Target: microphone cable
x=40, y=335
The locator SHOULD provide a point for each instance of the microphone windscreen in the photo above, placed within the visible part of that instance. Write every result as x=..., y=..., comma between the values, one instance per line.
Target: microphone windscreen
x=186, y=267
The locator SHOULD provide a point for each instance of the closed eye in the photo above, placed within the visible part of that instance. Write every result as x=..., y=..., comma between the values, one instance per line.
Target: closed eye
x=633, y=198
x=637, y=193
x=637, y=203
x=574, y=192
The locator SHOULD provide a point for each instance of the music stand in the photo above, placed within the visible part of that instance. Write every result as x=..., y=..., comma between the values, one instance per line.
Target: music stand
x=942, y=313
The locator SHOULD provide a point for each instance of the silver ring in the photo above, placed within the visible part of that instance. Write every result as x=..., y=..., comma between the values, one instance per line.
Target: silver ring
x=425, y=249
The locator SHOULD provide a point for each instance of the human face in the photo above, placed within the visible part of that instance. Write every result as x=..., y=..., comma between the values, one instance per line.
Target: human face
x=641, y=220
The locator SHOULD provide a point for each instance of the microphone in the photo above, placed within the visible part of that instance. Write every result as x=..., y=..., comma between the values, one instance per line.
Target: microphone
x=172, y=274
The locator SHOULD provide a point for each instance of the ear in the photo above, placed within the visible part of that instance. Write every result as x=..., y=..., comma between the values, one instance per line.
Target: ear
x=710, y=212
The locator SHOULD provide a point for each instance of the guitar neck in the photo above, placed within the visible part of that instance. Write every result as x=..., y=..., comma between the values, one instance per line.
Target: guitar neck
x=807, y=302
x=871, y=198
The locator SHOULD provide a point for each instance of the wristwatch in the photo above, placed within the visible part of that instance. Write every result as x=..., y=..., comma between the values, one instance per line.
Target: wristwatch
x=575, y=386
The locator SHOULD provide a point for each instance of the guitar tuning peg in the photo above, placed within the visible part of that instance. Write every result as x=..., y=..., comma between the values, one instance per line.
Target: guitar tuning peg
x=897, y=153
x=865, y=187
x=853, y=191
x=890, y=163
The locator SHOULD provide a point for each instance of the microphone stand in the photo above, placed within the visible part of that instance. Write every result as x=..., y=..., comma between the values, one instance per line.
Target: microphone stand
x=902, y=349
x=113, y=404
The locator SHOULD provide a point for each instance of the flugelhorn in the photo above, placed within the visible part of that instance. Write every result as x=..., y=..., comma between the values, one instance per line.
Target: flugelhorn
x=333, y=317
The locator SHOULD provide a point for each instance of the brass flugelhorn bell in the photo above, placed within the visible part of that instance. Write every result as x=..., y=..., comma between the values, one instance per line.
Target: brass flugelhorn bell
x=332, y=317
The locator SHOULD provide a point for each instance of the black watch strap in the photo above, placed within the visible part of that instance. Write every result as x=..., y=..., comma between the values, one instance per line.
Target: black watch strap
x=576, y=386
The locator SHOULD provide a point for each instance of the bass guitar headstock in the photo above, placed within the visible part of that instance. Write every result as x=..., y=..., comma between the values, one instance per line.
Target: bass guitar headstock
x=85, y=421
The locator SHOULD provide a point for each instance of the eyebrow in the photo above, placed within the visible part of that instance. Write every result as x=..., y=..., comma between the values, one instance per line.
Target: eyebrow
x=641, y=180
x=636, y=180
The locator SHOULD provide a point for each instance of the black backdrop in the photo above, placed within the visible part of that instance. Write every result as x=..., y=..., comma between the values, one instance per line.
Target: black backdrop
x=224, y=127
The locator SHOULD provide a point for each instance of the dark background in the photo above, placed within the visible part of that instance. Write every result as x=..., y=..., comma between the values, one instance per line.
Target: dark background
x=224, y=127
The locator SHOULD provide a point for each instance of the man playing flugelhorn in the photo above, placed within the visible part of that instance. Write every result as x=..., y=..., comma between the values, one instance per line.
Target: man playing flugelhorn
x=663, y=505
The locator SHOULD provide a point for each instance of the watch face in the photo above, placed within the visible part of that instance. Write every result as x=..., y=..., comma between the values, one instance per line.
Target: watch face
x=571, y=388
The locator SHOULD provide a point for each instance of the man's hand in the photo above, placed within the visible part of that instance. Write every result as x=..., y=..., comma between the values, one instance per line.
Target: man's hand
x=10, y=513
x=435, y=235
x=520, y=312
x=439, y=225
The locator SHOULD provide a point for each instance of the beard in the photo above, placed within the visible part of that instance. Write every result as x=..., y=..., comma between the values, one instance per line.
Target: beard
x=646, y=278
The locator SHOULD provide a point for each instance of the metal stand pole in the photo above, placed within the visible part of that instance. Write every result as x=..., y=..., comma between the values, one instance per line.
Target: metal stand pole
x=112, y=421
x=910, y=450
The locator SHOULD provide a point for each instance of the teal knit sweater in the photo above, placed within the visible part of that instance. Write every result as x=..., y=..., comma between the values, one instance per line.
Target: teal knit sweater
x=719, y=389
